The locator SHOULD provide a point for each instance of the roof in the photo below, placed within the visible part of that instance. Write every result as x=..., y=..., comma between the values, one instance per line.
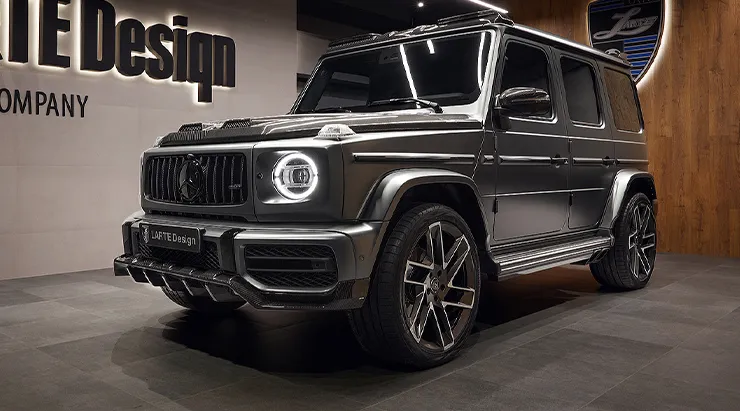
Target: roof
x=463, y=23
x=560, y=41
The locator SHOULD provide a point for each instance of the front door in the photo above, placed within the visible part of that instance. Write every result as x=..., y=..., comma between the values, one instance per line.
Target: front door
x=531, y=152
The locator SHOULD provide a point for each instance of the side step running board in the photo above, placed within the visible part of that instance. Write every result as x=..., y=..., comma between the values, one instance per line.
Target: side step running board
x=525, y=262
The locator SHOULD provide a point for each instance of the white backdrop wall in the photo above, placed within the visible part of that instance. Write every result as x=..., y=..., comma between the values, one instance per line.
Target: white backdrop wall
x=310, y=48
x=66, y=184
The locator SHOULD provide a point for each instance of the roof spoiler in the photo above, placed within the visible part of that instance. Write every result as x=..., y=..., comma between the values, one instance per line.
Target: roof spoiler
x=354, y=39
x=493, y=15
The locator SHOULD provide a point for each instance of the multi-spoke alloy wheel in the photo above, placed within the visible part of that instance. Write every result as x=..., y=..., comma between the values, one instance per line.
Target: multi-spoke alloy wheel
x=424, y=291
x=642, y=241
x=629, y=264
x=438, y=297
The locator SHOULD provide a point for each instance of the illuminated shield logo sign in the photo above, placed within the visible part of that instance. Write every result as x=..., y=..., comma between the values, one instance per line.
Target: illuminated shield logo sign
x=631, y=27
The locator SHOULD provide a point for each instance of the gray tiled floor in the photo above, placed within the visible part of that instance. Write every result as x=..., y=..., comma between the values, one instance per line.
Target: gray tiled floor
x=548, y=341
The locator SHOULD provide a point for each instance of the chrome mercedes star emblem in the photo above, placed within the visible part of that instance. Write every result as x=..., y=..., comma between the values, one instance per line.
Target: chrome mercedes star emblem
x=145, y=233
x=190, y=179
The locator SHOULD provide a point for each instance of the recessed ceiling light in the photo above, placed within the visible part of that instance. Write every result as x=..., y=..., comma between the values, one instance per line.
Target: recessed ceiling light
x=420, y=4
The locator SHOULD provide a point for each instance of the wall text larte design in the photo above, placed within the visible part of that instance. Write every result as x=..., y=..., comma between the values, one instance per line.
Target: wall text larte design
x=199, y=58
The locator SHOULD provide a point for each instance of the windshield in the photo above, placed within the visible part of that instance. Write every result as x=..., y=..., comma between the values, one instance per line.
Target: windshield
x=448, y=71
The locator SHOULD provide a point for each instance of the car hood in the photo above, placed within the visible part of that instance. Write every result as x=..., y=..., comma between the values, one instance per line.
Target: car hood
x=309, y=125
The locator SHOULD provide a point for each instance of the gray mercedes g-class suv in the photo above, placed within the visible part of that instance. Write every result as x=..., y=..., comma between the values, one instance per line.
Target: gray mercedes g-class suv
x=413, y=166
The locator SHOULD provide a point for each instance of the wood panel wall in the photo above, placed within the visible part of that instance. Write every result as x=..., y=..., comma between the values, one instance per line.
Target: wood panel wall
x=691, y=104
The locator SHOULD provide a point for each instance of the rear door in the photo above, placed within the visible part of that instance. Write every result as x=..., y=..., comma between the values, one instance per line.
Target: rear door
x=532, y=182
x=593, y=163
x=628, y=129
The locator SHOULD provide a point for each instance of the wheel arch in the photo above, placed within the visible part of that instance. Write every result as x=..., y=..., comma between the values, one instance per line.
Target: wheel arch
x=400, y=190
x=626, y=183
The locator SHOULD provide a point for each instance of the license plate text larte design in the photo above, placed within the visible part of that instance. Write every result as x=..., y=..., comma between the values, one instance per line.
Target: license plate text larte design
x=173, y=238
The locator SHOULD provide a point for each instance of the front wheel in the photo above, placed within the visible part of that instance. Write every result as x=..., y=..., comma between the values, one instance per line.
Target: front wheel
x=629, y=264
x=425, y=290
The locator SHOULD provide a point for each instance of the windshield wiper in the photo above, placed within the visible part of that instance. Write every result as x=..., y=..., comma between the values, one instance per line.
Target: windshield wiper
x=406, y=100
x=332, y=110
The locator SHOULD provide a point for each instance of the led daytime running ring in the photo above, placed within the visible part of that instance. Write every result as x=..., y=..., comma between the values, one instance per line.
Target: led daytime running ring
x=284, y=187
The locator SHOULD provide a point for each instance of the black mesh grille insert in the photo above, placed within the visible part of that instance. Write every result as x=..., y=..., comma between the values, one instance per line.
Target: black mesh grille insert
x=191, y=127
x=224, y=179
x=237, y=123
x=289, y=251
x=205, y=260
x=292, y=266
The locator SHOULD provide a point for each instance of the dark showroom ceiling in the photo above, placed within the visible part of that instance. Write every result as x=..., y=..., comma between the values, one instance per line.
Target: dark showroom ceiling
x=385, y=15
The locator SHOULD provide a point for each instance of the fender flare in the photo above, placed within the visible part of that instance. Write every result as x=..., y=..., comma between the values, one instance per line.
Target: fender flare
x=386, y=195
x=382, y=203
x=622, y=183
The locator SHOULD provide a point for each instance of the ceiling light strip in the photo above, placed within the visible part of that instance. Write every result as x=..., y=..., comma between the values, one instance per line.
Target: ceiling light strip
x=490, y=6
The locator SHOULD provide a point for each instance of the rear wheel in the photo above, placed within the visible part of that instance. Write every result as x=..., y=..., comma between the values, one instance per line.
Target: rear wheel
x=204, y=305
x=425, y=290
x=629, y=264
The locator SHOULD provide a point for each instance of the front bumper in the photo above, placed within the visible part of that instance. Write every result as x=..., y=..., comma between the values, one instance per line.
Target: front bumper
x=225, y=274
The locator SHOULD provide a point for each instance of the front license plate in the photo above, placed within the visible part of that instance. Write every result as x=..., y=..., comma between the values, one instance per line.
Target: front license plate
x=175, y=238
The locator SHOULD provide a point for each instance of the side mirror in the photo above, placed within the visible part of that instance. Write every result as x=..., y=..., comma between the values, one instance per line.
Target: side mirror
x=523, y=101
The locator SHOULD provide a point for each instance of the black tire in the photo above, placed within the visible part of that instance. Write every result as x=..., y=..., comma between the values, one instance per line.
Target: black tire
x=201, y=304
x=617, y=268
x=383, y=325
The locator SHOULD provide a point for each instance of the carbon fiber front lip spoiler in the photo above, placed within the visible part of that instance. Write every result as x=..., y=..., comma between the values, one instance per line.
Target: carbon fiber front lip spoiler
x=222, y=286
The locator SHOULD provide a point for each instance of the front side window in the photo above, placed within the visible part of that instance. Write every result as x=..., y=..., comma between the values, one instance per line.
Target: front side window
x=448, y=71
x=526, y=66
x=580, y=91
x=623, y=99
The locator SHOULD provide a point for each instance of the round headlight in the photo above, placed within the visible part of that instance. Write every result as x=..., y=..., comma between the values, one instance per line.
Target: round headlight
x=295, y=176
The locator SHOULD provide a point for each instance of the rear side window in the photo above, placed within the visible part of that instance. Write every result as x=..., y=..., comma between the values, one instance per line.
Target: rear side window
x=580, y=91
x=623, y=98
x=526, y=66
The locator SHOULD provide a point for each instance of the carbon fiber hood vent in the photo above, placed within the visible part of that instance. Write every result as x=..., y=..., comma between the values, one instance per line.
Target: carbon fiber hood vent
x=301, y=126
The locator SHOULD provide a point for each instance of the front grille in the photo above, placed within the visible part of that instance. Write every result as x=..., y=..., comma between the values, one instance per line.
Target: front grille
x=292, y=266
x=224, y=179
x=205, y=260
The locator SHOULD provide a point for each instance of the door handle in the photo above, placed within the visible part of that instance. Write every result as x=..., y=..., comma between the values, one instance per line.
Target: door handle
x=558, y=161
x=609, y=161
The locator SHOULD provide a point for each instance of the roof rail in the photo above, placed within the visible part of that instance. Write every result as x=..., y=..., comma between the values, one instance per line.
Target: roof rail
x=618, y=54
x=498, y=17
x=354, y=39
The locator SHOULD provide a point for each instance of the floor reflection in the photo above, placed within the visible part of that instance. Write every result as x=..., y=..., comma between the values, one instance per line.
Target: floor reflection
x=298, y=342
